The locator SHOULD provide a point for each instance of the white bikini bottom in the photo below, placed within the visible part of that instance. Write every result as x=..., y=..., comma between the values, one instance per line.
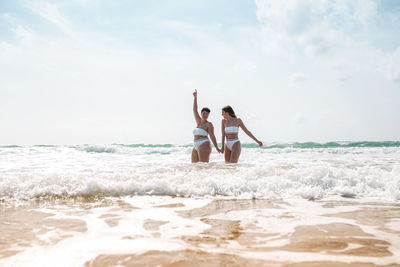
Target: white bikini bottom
x=197, y=143
x=231, y=142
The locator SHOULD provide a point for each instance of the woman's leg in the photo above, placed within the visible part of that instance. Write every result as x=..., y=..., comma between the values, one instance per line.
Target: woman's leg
x=235, y=153
x=227, y=154
x=204, y=152
x=195, y=156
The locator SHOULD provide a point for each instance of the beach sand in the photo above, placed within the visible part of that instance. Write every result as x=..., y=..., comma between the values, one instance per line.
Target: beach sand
x=168, y=231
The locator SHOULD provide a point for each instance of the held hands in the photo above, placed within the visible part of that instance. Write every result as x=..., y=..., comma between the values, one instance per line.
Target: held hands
x=195, y=93
x=220, y=150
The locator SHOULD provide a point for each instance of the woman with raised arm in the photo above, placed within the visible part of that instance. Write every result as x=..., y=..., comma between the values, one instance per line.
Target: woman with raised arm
x=230, y=130
x=202, y=147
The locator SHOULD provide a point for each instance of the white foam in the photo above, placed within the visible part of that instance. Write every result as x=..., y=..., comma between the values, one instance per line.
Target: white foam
x=130, y=236
x=100, y=238
x=271, y=173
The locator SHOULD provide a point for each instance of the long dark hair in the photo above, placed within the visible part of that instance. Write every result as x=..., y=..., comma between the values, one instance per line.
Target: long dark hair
x=229, y=109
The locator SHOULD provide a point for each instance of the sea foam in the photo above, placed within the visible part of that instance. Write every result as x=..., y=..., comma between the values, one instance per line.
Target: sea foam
x=28, y=172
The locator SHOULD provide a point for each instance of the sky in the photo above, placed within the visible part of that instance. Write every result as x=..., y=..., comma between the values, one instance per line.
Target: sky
x=102, y=72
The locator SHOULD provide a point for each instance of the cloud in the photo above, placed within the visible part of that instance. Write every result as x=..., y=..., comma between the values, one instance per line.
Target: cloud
x=331, y=33
x=394, y=67
x=69, y=82
x=244, y=66
x=23, y=33
x=83, y=3
x=4, y=46
x=315, y=26
x=79, y=78
x=51, y=13
x=345, y=78
x=303, y=16
x=397, y=78
x=6, y=15
x=291, y=17
x=298, y=77
x=300, y=119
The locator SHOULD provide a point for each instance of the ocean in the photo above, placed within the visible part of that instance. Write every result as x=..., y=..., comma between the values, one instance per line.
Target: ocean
x=293, y=204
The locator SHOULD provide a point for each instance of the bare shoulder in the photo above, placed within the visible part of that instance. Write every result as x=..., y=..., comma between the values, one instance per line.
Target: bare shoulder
x=239, y=121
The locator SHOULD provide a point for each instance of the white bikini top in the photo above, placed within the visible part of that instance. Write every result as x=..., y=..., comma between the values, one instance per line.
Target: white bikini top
x=231, y=130
x=199, y=131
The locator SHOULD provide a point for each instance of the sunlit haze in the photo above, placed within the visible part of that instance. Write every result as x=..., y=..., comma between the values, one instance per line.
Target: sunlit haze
x=107, y=72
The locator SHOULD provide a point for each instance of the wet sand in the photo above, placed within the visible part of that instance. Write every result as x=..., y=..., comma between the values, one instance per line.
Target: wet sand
x=164, y=231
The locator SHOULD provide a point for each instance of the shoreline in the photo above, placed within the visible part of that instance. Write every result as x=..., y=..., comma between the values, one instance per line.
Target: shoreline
x=174, y=231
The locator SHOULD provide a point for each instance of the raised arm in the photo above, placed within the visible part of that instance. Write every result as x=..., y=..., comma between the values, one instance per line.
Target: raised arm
x=212, y=136
x=241, y=124
x=195, y=112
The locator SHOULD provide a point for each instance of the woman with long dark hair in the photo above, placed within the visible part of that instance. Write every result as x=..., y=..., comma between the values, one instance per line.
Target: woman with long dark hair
x=230, y=130
x=202, y=147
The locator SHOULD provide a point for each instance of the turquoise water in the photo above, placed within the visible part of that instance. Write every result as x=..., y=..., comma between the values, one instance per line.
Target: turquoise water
x=328, y=144
x=305, y=145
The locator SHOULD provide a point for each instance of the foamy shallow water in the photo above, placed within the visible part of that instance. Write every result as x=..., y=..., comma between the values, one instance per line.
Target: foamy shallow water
x=142, y=205
x=126, y=230
x=115, y=170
